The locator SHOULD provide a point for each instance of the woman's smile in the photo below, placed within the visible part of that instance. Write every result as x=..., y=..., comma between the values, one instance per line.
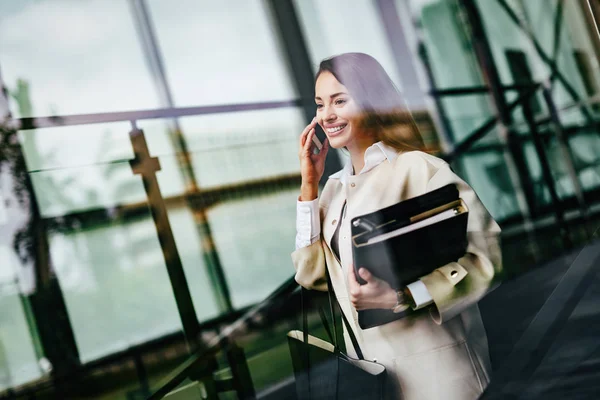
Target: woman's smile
x=334, y=129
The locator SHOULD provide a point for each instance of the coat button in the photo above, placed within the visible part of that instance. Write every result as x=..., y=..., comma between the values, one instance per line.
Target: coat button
x=334, y=222
x=454, y=274
x=353, y=184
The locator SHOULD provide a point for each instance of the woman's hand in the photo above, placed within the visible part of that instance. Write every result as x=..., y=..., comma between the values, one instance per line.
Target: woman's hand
x=311, y=165
x=375, y=294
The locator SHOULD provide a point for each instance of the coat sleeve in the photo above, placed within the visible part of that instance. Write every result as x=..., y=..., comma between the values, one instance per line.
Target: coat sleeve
x=456, y=286
x=309, y=263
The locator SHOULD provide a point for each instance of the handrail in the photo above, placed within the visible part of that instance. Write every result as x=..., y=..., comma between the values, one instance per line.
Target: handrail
x=182, y=372
x=49, y=381
x=124, y=116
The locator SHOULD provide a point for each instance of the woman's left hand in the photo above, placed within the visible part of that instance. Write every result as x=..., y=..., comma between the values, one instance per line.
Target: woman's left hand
x=375, y=294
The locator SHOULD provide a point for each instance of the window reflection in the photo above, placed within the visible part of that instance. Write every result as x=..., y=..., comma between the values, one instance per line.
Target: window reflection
x=220, y=52
x=253, y=239
x=76, y=146
x=107, y=274
x=189, y=246
x=453, y=65
x=18, y=361
x=86, y=167
x=70, y=190
x=236, y=147
x=92, y=63
x=488, y=175
x=330, y=28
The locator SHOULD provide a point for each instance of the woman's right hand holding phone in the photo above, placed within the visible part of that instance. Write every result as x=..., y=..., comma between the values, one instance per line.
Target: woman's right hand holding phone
x=312, y=165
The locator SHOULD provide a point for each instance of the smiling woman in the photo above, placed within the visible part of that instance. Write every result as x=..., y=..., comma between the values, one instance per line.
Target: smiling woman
x=375, y=108
x=361, y=110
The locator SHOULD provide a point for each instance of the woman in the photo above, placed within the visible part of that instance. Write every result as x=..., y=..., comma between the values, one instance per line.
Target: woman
x=440, y=354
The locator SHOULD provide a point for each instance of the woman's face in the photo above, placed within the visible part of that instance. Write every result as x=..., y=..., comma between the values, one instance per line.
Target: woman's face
x=336, y=110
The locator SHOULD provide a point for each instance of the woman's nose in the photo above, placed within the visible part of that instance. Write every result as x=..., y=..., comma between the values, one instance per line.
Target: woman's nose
x=330, y=116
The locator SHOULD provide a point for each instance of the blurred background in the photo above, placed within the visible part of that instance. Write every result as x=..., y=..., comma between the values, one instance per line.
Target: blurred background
x=149, y=171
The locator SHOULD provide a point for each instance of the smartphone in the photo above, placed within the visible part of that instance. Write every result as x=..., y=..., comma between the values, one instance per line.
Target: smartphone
x=318, y=137
x=317, y=142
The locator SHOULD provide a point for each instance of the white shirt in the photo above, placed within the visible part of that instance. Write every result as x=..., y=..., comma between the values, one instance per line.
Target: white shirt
x=308, y=225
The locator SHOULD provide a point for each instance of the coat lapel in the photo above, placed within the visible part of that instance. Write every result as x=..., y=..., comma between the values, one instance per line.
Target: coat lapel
x=331, y=219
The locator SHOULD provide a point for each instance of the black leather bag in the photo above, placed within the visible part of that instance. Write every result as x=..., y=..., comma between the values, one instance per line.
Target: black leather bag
x=323, y=371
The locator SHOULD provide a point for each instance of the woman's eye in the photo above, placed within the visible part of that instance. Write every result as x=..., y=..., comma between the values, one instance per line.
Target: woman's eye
x=319, y=106
x=340, y=101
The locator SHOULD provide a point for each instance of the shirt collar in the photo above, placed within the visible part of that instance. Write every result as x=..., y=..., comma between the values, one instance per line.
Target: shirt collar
x=374, y=155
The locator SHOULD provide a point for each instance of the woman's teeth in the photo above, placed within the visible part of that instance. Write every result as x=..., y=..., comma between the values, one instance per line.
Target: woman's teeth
x=335, y=129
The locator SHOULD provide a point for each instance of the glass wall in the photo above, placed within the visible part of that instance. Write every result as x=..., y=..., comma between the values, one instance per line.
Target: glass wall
x=445, y=49
x=96, y=65
x=197, y=40
x=220, y=84
x=331, y=28
x=561, y=55
x=18, y=358
x=103, y=246
x=524, y=47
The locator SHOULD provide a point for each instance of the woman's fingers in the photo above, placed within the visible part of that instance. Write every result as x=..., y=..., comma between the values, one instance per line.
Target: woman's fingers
x=308, y=142
x=323, y=152
x=305, y=132
x=303, y=136
x=365, y=274
x=353, y=285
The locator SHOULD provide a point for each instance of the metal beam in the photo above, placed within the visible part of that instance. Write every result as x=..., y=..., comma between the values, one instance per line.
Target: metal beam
x=486, y=127
x=412, y=93
x=513, y=155
x=46, y=301
x=403, y=57
x=545, y=58
x=558, y=19
x=591, y=13
x=566, y=152
x=4, y=109
x=147, y=166
x=547, y=177
x=442, y=117
x=171, y=112
x=154, y=58
x=474, y=90
x=146, y=34
x=186, y=369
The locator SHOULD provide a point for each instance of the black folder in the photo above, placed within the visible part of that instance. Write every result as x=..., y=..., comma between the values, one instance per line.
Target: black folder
x=408, y=240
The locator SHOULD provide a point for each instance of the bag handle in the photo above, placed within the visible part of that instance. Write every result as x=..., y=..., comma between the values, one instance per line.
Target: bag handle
x=332, y=337
x=331, y=293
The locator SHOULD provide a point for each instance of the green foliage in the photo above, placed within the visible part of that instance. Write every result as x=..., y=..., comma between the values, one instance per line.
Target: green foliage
x=12, y=163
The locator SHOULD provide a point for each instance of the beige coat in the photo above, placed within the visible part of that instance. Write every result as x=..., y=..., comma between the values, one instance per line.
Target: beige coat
x=439, y=355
